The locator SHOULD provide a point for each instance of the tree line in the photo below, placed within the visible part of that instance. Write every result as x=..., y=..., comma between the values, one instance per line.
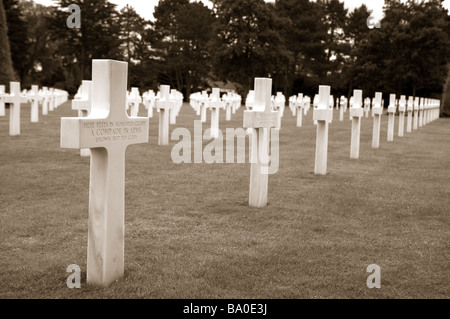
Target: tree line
x=300, y=44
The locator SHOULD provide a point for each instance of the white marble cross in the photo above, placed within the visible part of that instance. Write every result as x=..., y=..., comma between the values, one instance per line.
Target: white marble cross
x=422, y=101
x=391, y=112
x=401, y=117
x=2, y=103
x=35, y=98
x=416, y=113
x=306, y=104
x=45, y=101
x=149, y=99
x=367, y=106
x=51, y=105
x=323, y=114
x=107, y=131
x=342, y=107
x=134, y=99
x=229, y=105
x=204, y=106
x=215, y=104
x=377, y=110
x=83, y=105
x=299, y=106
x=356, y=112
x=163, y=105
x=260, y=119
x=410, y=109
x=15, y=99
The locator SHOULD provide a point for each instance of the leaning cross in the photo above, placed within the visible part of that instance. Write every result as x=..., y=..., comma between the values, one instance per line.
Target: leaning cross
x=261, y=119
x=107, y=131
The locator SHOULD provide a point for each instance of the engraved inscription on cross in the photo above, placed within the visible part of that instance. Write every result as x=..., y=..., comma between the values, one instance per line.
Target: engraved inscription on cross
x=107, y=131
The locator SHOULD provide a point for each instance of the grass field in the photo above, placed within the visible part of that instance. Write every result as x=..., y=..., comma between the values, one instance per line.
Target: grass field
x=190, y=233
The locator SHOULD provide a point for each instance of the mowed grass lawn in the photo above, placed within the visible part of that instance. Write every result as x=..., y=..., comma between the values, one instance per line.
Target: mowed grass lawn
x=189, y=232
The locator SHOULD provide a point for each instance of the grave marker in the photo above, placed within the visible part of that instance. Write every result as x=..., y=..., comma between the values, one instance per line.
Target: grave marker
x=15, y=99
x=83, y=105
x=323, y=115
x=149, y=99
x=366, y=106
x=377, y=110
x=2, y=103
x=401, y=117
x=215, y=104
x=422, y=101
x=356, y=112
x=204, y=107
x=409, y=110
x=45, y=100
x=299, y=106
x=260, y=119
x=416, y=113
x=163, y=105
x=135, y=100
x=34, y=97
x=391, y=120
x=107, y=131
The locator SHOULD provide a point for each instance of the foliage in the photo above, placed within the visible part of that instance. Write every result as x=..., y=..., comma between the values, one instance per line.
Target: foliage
x=6, y=65
x=300, y=44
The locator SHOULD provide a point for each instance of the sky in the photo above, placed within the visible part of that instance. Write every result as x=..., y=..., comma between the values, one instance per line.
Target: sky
x=146, y=7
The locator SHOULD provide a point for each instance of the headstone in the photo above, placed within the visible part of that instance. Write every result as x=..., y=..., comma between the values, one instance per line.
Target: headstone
x=401, y=117
x=293, y=104
x=279, y=102
x=350, y=106
x=45, y=100
x=2, y=103
x=173, y=109
x=391, y=120
x=83, y=105
x=356, y=112
x=15, y=99
x=51, y=101
x=422, y=102
x=163, y=105
x=107, y=131
x=416, y=113
x=215, y=104
x=149, y=101
x=229, y=105
x=342, y=105
x=134, y=100
x=204, y=107
x=306, y=104
x=299, y=106
x=409, y=110
x=377, y=110
x=323, y=114
x=34, y=97
x=366, y=106
x=260, y=119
